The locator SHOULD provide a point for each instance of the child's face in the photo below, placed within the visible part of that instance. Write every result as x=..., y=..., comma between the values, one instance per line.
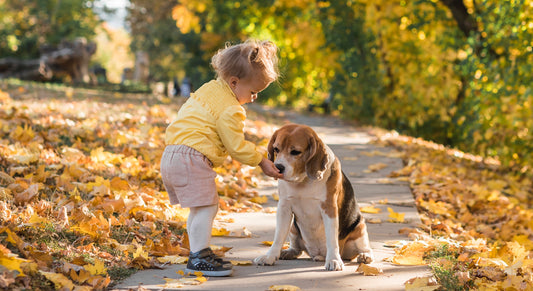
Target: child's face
x=246, y=90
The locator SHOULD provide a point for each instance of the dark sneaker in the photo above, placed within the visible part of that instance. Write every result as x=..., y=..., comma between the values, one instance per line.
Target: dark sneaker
x=209, y=264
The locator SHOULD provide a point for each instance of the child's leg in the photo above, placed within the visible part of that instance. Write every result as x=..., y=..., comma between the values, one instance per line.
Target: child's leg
x=201, y=257
x=199, y=226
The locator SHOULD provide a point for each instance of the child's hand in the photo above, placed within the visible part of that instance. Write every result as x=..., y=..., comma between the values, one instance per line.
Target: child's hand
x=270, y=169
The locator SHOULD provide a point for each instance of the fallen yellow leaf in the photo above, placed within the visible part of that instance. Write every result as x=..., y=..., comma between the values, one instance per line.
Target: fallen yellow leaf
x=260, y=199
x=241, y=263
x=411, y=254
x=220, y=232
x=60, y=281
x=370, y=209
x=173, y=259
x=11, y=261
x=286, y=245
x=97, y=269
x=384, y=181
x=421, y=284
x=369, y=270
x=395, y=216
x=375, y=167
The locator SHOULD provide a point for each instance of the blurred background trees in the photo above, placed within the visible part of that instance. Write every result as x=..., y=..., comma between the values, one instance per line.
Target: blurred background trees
x=456, y=72
x=27, y=25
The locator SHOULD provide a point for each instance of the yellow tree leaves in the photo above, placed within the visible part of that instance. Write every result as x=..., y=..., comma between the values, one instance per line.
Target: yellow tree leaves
x=185, y=19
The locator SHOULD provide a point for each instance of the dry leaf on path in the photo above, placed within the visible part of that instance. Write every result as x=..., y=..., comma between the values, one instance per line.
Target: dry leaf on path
x=241, y=263
x=421, y=284
x=411, y=254
x=260, y=199
x=395, y=216
x=370, y=209
x=173, y=259
x=375, y=167
x=369, y=270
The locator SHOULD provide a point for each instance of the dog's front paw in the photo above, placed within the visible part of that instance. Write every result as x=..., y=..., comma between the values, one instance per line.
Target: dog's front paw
x=265, y=260
x=334, y=265
x=365, y=258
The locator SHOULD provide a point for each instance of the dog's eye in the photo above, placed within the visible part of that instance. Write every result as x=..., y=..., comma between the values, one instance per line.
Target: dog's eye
x=276, y=150
x=295, y=153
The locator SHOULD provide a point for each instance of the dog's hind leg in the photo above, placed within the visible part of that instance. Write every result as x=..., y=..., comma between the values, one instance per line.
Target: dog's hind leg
x=357, y=246
x=296, y=244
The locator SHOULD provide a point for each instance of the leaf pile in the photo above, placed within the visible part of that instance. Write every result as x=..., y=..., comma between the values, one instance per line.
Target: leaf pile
x=478, y=217
x=81, y=200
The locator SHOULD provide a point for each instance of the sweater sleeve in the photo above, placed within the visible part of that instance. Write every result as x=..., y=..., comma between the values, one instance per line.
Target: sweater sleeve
x=230, y=128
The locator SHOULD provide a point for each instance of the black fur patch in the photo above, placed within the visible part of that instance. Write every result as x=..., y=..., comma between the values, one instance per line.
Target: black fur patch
x=349, y=213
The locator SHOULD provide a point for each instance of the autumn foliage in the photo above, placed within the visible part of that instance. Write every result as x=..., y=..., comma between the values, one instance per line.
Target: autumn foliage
x=452, y=71
x=81, y=200
x=478, y=219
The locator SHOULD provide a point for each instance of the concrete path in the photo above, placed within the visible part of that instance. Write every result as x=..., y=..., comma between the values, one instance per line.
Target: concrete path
x=357, y=153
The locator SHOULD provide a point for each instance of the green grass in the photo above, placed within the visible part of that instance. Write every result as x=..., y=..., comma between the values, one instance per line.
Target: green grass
x=118, y=273
x=444, y=264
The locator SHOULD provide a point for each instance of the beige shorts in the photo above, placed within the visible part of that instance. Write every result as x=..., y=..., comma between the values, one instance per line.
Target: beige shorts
x=188, y=177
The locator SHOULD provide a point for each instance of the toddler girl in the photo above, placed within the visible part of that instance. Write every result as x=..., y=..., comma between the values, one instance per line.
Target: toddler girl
x=210, y=126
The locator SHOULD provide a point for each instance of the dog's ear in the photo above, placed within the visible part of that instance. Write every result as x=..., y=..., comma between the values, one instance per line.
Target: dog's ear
x=270, y=147
x=318, y=158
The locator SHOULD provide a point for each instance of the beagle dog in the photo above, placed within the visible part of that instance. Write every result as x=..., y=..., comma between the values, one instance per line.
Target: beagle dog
x=316, y=204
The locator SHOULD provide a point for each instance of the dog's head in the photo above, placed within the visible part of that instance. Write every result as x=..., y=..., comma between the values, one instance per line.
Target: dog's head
x=298, y=153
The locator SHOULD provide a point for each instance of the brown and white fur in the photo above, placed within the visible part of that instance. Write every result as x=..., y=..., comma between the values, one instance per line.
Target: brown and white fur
x=316, y=204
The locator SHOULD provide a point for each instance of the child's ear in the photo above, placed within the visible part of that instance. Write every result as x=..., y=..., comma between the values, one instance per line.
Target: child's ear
x=233, y=81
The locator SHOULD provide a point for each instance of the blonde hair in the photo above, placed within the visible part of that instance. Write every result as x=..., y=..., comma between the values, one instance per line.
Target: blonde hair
x=246, y=60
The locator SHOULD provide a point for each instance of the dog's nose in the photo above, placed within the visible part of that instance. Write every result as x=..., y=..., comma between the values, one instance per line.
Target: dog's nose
x=280, y=167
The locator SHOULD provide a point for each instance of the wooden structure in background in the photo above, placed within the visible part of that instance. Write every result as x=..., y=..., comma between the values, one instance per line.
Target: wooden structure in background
x=69, y=59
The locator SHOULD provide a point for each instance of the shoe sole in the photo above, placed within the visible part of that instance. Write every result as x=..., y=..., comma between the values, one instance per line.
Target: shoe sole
x=224, y=273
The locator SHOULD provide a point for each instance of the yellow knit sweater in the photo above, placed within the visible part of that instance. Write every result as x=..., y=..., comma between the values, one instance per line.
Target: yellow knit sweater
x=212, y=122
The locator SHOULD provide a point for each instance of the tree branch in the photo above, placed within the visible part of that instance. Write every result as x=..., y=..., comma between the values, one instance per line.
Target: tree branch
x=464, y=20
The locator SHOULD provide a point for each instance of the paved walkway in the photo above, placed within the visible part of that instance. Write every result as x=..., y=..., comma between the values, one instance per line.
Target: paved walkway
x=356, y=152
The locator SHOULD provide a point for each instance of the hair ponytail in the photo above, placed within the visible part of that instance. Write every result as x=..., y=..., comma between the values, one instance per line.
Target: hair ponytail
x=249, y=59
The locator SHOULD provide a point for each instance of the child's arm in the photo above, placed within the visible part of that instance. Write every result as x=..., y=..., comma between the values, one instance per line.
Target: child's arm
x=269, y=168
x=230, y=127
